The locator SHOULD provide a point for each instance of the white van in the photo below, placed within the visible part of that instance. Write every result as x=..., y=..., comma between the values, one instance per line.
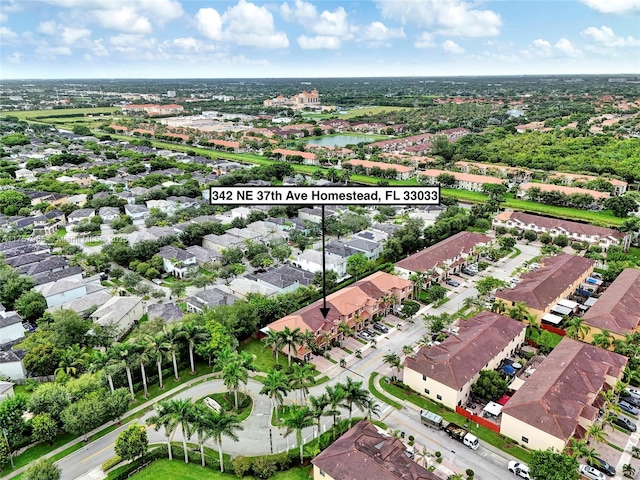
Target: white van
x=471, y=441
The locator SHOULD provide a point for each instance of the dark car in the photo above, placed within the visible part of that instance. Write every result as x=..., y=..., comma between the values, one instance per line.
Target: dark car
x=603, y=466
x=624, y=422
x=630, y=399
x=466, y=271
x=452, y=283
x=380, y=327
x=625, y=407
x=369, y=332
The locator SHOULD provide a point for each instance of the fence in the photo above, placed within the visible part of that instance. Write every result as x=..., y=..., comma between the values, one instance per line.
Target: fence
x=553, y=329
x=479, y=420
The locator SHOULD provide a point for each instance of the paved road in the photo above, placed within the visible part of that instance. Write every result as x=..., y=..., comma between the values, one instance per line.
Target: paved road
x=259, y=438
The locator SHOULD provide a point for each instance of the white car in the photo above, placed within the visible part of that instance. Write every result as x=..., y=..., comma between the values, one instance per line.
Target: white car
x=591, y=473
x=519, y=469
x=634, y=392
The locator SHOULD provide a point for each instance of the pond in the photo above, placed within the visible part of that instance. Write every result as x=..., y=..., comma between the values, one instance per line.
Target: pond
x=341, y=140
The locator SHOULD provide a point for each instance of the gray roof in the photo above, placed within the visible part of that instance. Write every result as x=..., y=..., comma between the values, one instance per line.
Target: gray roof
x=23, y=250
x=340, y=249
x=285, y=276
x=11, y=319
x=362, y=244
x=47, y=264
x=47, y=277
x=169, y=312
x=170, y=252
x=211, y=298
x=202, y=254
x=81, y=213
x=11, y=356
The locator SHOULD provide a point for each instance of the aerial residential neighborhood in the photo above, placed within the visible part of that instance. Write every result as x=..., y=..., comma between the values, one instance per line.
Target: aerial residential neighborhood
x=493, y=331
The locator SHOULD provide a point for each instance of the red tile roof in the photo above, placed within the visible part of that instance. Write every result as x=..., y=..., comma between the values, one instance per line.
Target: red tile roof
x=459, y=244
x=460, y=357
x=363, y=453
x=565, y=387
x=547, y=187
x=618, y=308
x=539, y=288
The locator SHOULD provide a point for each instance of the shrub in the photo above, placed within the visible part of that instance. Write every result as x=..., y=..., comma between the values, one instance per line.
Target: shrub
x=264, y=467
x=241, y=465
x=110, y=463
x=470, y=473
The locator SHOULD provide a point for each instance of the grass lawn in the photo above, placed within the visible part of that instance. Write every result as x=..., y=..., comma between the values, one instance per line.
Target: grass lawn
x=93, y=244
x=21, y=390
x=264, y=360
x=169, y=382
x=179, y=470
x=227, y=402
x=376, y=393
x=61, y=232
x=371, y=111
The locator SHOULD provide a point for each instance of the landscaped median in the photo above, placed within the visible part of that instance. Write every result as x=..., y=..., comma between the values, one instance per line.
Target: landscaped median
x=499, y=441
x=376, y=393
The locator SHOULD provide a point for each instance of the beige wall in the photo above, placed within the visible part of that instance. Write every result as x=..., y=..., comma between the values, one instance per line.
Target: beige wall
x=450, y=397
x=537, y=439
x=318, y=476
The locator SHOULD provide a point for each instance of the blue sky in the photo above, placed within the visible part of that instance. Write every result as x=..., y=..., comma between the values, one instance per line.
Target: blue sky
x=315, y=38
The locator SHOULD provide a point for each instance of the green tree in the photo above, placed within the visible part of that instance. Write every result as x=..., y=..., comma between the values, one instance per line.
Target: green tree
x=157, y=351
x=553, y=465
x=31, y=305
x=79, y=418
x=42, y=359
x=276, y=387
x=298, y=419
x=393, y=360
x=621, y=206
x=43, y=469
x=11, y=411
x=233, y=371
x=292, y=339
x=487, y=284
x=301, y=376
x=273, y=340
x=44, y=428
x=222, y=424
x=11, y=201
x=576, y=329
x=490, y=385
x=318, y=407
x=357, y=265
x=132, y=442
x=51, y=398
x=193, y=334
x=172, y=335
x=354, y=396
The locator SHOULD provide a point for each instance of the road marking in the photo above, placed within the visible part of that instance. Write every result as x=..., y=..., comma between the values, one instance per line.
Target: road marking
x=97, y=453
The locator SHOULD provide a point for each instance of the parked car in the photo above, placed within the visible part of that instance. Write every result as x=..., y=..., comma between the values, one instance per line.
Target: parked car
x=364, y=335
x=519, y=469
x=627, y=408
x=380, y=327
x=466, y=271
x=633, y=392
x=603, y=466
x=591, y=473
x=369, y=332
x=630, y=399
x=623, y=422
x=452, y=283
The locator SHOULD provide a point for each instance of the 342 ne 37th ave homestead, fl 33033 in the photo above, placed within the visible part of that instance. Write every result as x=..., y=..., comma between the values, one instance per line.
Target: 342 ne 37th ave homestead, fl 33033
x=309, y=195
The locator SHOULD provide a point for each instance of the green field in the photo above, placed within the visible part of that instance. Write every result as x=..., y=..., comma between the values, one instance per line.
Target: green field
x=176, y=469
x=371, y=111
x=51, y=115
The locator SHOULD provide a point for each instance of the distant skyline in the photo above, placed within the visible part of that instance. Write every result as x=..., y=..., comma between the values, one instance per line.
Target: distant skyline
x=51, y=39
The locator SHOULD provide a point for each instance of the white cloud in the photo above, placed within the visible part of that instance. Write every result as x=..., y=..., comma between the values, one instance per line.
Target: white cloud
x=452, y=47
x=159, y=10
x=125, y=19
x=7, y=34
x=72, y=35
x=49, y=51
x=15, y=57
x=244, y=24
x=209, y=23
x=319, y=42
x=613, y=6
x=604, y=36
x=3, y=17
x=566, y=47
x=327, y=23
x=425, y=40
x=98, y=49
x=48, y=28
x=447, y=17
x=378, y=31
x=187, y=43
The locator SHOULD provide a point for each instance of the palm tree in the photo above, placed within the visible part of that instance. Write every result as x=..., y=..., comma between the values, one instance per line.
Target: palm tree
x=276, y=387
x=172, y=335
x=318, y=406
x=299, y=418
x=200, y=426
x=393, y=360
x=301, y=376
x=371, y=408
x=291, y=339
x=309, y=340
x=518, y=311
x=533, y=326
x=418, y=282
x=596, y=432
x=424, y=455
x=407, y=350
x=602, y=339
x=73, y=360
x=222, y=423
x=142, y=356
x=124, y=352
x=575, y=448
x=273, y=340
x=157, y=351
x=336, y=396
x=100, y=361
x=173, y=413
x=576, y=328
x=193, y=334
x=233, y=371
x=499, y=307
x=354, y=395
x=345, y=329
